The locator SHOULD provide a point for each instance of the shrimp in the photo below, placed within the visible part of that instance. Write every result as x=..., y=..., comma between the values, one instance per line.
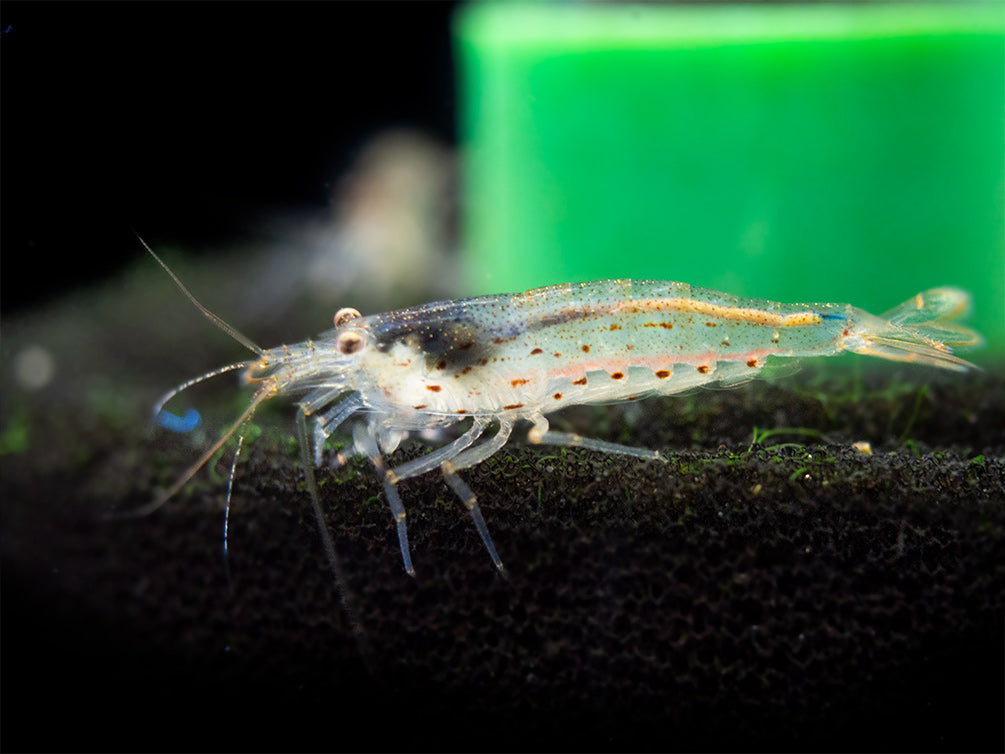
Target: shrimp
x=496, y=360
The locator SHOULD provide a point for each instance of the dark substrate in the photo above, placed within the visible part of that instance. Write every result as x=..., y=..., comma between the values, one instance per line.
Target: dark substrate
x=793, y=593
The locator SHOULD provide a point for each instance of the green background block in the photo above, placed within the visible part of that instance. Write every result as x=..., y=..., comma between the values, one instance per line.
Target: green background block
x=799, y=153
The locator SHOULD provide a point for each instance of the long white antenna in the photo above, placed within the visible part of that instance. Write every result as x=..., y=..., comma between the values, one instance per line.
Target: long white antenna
x=236, y=334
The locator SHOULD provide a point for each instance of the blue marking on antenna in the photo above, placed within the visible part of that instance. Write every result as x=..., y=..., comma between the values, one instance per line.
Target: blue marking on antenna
x=181, y=424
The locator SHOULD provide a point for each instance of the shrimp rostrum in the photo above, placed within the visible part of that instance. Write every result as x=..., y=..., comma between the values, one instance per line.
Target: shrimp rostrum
x=492, y=361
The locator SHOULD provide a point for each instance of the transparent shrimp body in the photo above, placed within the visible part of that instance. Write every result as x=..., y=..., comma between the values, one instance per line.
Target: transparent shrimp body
x=499, y=359
x=495, y=360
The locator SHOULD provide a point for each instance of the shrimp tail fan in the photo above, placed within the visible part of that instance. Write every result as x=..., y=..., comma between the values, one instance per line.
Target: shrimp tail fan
x=921, y=330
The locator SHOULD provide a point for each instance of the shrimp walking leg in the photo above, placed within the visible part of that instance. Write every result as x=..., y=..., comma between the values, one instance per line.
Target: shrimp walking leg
x=326, y=540
x=342, y=457
x=487, y=449
x=328, y=422
x=539, y=434
x=441, y=455
x=365, y=439
x=467, y=497
x=469, y=458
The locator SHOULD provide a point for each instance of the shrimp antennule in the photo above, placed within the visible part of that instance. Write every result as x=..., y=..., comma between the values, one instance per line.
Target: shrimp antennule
x=232, y=331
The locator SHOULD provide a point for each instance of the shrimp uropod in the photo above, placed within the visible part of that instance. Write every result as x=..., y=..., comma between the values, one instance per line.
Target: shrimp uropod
x=495, y=360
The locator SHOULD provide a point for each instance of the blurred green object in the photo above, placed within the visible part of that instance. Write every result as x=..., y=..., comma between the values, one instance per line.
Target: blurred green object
x=846, y=153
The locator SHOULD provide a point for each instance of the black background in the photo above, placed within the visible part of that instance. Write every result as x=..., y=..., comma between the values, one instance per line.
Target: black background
x=188, y=121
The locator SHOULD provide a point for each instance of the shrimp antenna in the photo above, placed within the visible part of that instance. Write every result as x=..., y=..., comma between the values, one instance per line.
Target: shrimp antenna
x=159, y=406
x=266, y=392
x=236, y=334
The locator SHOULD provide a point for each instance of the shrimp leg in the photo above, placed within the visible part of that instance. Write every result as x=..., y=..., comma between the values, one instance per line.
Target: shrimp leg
x=328, y=422
x=469, y=458
x=366, y=444
x=365, y=438
x=539, y=434
x=326, y=539
x=467, y=496
x=442, y=458
x=430, y=461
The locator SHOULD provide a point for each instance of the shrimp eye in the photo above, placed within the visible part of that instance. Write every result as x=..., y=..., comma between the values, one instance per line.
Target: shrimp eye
x=345, y=314
x=348, y=343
